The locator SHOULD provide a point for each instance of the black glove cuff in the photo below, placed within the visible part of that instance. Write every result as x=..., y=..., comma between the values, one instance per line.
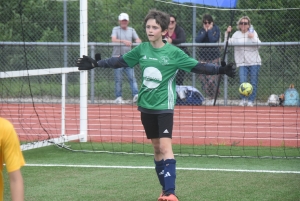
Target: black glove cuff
x=97, y=56
x=223, y=63
x=222, y=70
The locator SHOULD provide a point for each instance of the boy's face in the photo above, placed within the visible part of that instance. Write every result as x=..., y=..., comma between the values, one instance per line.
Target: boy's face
x=154, y=31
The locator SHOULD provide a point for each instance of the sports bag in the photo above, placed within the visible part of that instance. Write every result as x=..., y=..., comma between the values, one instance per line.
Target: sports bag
x=291, y=97
x=192, y=96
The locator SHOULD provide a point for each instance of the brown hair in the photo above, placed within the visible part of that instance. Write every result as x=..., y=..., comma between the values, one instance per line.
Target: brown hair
x=161, y=18
x=207, y=17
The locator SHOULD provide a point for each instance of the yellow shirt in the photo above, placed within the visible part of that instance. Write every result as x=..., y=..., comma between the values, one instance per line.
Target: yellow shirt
x=10, y=151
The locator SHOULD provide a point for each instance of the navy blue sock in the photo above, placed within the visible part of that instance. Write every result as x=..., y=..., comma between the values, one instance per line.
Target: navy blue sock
x=159, y=168
x=170, y=175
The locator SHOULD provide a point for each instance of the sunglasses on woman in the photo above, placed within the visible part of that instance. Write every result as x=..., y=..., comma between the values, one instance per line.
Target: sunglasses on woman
x=243, y=23
x=206, y=22
x=172, y=22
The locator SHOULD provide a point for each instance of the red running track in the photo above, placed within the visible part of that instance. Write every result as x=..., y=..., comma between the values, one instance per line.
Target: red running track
x=217, y=125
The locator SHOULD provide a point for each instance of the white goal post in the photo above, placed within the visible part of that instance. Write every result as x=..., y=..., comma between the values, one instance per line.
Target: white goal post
x=82, y=136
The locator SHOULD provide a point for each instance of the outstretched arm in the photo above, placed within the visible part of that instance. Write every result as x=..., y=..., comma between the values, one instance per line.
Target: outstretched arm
x=212, y=69
x=87, y=63
x=113, y=62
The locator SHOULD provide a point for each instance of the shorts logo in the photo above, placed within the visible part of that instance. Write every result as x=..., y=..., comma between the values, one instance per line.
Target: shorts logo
x=166, y=131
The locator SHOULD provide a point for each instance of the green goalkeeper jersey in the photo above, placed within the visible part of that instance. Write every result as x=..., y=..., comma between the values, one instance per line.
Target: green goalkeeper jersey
x=159, y=67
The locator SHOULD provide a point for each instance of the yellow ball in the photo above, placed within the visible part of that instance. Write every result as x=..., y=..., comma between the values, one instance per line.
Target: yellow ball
x=245, y=89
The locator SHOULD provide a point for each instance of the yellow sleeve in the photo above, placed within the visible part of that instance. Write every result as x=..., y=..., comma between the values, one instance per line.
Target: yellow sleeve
x=10, y=147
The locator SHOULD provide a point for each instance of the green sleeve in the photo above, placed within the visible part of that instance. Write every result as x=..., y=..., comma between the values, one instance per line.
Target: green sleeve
x=132, y=57
x=185, y=62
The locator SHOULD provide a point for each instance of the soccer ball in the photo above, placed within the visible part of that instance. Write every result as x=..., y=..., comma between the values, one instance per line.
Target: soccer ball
x=246, y=89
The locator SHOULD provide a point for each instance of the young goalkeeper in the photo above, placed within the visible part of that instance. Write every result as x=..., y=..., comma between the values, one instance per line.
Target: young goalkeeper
x=159, y=62
x=12, y=157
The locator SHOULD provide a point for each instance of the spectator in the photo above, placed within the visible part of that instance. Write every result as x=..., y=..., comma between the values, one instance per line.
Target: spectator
x=246, y=57
x=12, y=157
x=209, y=33
x=175, y=36
x=124, y=35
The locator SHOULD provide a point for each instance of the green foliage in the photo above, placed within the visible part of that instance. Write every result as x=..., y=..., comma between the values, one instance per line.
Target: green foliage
x=51, y=35
x=274, y=25
x=44, y=20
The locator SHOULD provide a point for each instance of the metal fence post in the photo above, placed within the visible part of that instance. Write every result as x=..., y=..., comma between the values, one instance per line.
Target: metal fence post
x=92, y=77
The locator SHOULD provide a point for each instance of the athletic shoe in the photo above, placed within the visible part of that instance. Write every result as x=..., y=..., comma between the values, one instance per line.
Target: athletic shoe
x=243, y=103
x=168, y=197
x=250, y=104
x=119, y=100
x=135, y=98
x=161, y=194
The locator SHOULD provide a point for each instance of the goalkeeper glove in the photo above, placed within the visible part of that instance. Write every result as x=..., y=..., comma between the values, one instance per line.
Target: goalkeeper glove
x=86, y=63
x=97, y=56
x=228, y=69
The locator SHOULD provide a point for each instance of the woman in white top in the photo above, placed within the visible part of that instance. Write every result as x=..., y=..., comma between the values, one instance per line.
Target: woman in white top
x=246, y=57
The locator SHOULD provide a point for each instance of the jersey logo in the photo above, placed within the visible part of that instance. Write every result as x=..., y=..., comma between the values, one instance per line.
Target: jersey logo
x=164, y=60
x=152, y=77
x=145, y=57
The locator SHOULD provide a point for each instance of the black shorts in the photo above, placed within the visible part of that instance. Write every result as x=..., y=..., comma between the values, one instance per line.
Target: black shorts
x=157, y=125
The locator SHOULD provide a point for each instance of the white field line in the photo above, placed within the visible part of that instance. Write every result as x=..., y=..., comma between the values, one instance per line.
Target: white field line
x=178, y=168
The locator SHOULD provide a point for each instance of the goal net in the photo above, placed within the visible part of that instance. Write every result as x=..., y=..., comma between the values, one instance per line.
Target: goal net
x=36, y=105
x=50, y=102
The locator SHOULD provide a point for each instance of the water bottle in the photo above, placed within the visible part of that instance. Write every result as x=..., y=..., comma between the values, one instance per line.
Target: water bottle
x=251, y=29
